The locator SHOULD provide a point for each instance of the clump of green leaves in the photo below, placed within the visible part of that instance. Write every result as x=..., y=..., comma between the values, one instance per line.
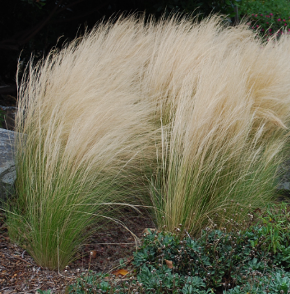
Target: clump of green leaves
x=217, y=257
x=275, y=282
x=253, y=257
x=225, y=259
x=274, y=229
x=44, y=291
x=149, y=280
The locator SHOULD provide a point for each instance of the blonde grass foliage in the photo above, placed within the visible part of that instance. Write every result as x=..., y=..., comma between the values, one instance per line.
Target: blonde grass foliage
x=200, y=110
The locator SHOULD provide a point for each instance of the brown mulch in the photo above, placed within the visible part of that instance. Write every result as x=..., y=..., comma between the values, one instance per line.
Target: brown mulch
x=103, y=252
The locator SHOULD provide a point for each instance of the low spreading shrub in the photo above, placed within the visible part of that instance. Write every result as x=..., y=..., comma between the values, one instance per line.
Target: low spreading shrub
x=275, y=282
x=240, y=261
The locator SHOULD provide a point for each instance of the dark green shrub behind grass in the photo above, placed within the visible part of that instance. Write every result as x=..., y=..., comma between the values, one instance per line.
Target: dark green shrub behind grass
x=268, y=17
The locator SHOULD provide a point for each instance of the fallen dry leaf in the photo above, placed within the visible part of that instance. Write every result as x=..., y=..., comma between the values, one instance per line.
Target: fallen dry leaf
x=169, y=263
x=121, y=272
x=93, y=253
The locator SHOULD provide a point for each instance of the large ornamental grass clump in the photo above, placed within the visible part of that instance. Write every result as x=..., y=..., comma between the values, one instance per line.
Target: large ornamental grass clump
x=88, y=135
x=190, y=116
x=224, y=106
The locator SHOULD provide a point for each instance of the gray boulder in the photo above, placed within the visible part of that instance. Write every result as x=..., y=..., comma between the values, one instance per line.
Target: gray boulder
x=7, y=163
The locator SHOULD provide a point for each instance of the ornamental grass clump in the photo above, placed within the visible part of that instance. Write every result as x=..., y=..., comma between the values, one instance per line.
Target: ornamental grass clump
x=87, y=137
x=224, y=106
x=199, y=110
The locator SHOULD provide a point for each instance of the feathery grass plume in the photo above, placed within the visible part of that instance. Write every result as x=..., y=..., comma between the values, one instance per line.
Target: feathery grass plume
x=91, y=114
x=88, y=136
x=224, y=99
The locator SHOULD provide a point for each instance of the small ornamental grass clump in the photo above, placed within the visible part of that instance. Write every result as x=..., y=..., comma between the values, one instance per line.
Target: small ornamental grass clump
x=197, y=112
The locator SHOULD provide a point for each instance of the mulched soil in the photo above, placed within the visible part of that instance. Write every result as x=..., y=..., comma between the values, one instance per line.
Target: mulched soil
x=20, y=274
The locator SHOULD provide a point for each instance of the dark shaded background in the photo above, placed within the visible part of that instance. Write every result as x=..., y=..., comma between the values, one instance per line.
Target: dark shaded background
x=35, y=26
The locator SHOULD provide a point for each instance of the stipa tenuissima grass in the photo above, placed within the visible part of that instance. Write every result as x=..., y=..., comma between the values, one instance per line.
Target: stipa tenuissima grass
x=88, y=133
x=223, y=100
x=199, y=109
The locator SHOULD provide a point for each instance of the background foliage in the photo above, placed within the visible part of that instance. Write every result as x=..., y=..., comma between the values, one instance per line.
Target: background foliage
x=269, y=16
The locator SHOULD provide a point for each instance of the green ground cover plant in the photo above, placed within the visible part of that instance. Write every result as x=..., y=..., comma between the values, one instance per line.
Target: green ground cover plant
x=238, y=261
x=188, y=118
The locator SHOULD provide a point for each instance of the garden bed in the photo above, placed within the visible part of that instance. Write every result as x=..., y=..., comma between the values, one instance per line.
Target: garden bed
x=20, y=274
x=217, y=262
